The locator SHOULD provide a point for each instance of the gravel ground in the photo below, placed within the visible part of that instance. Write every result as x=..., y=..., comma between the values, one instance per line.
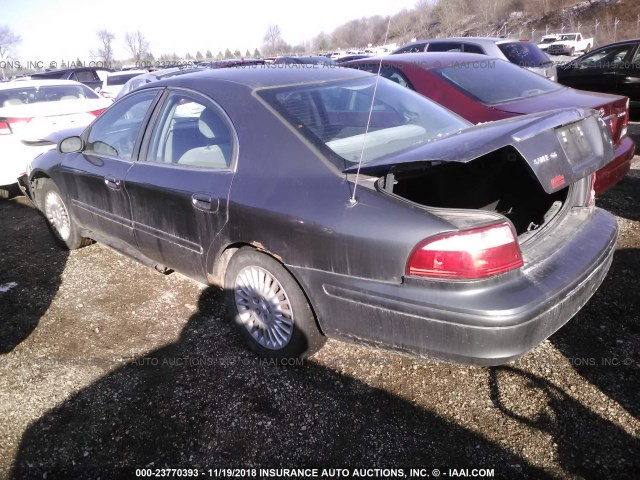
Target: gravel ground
x=107, y=366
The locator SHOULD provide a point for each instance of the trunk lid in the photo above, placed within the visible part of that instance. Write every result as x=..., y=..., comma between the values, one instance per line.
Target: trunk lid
x=560, y=146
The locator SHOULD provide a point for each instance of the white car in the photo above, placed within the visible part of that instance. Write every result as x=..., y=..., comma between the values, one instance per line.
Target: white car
x=32, y=109
x=114, y=82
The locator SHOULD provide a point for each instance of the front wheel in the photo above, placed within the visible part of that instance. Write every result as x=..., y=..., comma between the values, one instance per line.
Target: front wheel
x=269, y=307
x=571, y=51
x=60, y=222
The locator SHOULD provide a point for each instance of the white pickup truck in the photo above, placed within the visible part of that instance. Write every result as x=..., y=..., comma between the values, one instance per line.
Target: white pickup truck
x=569, y=43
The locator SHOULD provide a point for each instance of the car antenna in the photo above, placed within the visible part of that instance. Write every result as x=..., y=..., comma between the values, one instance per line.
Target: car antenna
x=353, y=201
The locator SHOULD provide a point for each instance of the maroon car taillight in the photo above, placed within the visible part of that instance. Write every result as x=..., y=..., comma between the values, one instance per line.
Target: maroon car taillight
x=468, y=254
x=97, y=112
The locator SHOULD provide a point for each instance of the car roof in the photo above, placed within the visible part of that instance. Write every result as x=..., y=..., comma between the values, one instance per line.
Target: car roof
x=36, y=83
x=428, y=60
x=262, y=76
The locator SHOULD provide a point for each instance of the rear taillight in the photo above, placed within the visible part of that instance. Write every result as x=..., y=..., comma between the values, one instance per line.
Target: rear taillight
x=5, y=128
x=7, y=125
x=97, y=112
x=469, y=254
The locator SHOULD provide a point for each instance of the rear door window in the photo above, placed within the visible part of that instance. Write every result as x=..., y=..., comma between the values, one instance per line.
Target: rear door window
x=445, y=47
x=473, y=48
x=524, y=54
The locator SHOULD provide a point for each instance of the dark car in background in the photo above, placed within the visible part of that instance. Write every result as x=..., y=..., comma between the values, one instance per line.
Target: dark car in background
x=88, y=76
x=613, y=68
x=522, y=53
x=402, y=225
x=483, y=90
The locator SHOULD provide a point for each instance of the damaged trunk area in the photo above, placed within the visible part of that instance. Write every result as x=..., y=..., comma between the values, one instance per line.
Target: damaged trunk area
x=501, y=182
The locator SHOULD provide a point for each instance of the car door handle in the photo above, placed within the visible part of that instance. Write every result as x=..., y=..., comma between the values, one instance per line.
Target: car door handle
x=204, y=201
x=112, y=182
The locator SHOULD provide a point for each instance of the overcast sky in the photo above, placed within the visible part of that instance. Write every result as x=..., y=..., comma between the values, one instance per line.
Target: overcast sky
x=66, y=29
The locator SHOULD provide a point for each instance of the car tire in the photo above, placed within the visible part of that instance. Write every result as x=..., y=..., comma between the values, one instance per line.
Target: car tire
x=269, y=308
x=9, y=191
x=60, y=222
x=572, y=51
x=588, y=49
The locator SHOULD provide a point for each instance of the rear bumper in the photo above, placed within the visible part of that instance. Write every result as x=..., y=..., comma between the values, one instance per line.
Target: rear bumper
x=615, y=171
x=486, y=322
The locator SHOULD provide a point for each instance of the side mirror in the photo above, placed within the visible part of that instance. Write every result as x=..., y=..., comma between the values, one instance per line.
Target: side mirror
x=71, y=145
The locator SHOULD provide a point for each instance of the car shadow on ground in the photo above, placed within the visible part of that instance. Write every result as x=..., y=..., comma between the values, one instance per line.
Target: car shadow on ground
x=205, y=402
x=587, y=445
x=26, y=291
x=602, y=340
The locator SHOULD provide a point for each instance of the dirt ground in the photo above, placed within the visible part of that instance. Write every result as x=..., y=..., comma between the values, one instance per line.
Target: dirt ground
x=107, y=367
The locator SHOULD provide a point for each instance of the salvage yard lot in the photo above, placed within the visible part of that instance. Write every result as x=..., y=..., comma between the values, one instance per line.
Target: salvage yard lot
x=108, y=366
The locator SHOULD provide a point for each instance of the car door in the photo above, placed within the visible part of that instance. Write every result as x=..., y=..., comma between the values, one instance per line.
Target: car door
x=599, y=71
x=629, y=80
x=94, y=177
x=180, y=186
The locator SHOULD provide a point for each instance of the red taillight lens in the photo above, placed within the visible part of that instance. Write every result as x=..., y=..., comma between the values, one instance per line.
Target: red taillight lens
x=5, y=128
x=8, y=124
x=97, y=112
x=475, y=253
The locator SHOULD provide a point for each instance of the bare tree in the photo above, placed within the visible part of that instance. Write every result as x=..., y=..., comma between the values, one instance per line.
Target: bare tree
x=273, y=42
x=138, y=45
x=423, y=12
x=8, y=40
x=401, y=27
x=105, y=51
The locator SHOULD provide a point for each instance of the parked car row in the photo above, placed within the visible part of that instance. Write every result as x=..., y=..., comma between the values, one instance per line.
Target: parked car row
x=465, y=83
x=444, y=208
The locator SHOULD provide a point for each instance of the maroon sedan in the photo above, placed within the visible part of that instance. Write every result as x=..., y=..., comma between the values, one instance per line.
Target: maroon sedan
x=483, y=89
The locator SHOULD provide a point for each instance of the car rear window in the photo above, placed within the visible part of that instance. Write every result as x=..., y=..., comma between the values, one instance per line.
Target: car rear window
x=334, y=115
x=478, y=80
x=524, y=54
x=120, y=79
x=48, y=93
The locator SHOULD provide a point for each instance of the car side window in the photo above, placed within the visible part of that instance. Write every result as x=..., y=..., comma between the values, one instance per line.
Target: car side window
x=193, y=133
x=445, y=47
x=605, y=58
x=417, y=48
x=472, y=48
x=83, y=76
x=395, y=75
x=115, y=132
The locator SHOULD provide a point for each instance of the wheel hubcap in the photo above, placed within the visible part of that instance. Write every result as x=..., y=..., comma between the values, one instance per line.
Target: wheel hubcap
x=264, y=307
x=57, y=215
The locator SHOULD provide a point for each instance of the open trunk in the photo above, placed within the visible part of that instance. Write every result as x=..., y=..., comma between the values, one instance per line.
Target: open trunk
x=500, y=182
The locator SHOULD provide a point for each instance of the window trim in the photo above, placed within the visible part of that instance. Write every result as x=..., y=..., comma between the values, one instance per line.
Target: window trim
x=141, y=134
x=154, y=123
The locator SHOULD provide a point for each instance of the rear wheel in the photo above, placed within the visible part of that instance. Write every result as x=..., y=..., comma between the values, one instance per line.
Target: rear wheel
x=571, y=51
x=269, y=307
x=59, y=221
x=588, y=49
